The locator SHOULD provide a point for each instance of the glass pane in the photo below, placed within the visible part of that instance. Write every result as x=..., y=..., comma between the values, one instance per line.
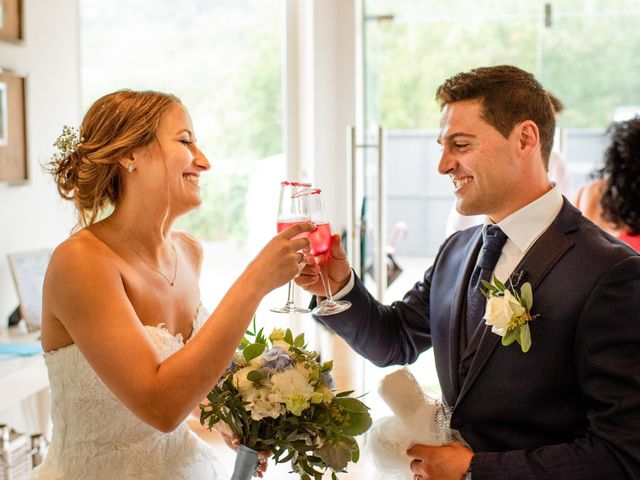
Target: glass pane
x=222, y=59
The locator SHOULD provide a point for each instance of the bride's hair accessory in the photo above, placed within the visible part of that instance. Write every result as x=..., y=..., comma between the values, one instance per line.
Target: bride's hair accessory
x=67, y=143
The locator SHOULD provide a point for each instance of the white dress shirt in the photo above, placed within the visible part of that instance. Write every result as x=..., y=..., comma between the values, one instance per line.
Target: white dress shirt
x=523, y=227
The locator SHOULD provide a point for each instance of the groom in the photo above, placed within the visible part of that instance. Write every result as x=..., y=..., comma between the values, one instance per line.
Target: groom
x=568, y=408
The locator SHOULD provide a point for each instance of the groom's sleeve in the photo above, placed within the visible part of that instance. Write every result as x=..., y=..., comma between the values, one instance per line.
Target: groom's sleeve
x=393, y=334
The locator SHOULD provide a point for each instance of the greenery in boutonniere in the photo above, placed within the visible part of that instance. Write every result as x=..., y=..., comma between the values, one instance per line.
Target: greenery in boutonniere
x=509, y=312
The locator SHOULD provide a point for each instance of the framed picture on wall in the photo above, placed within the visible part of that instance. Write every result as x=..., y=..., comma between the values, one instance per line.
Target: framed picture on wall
x=28, y=269
x=11, y=20
x=13, y=138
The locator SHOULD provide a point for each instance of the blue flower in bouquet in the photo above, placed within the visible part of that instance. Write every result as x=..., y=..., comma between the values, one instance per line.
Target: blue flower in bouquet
x=328, y=380
x=278, y=396
x=275, y=360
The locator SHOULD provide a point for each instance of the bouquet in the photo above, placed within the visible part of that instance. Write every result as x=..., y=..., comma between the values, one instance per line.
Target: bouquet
x=278, y=396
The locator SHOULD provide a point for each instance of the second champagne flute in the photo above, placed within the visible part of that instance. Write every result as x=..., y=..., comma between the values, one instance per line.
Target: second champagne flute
x=320, y=240
x=293, y=208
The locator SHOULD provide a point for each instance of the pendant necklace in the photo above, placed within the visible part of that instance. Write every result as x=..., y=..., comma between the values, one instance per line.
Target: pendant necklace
x=175, y=256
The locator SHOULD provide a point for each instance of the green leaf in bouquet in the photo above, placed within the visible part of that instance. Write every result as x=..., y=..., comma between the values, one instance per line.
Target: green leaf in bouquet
x=288, y=336
x=501, y=286
x=351, y=404
x=336, y=456
x=299, y=341
x=355, y=455
x=260, y=338
x=346, y=393
x=327, y=366
x=255, y=376
x=358, y=423
x=252, y=351
x=308, y=468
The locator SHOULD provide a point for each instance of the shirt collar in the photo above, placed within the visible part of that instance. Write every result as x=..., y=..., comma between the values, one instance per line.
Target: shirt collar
x=524, y=226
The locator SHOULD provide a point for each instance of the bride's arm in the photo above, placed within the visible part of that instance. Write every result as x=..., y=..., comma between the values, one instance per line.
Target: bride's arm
x=85, y=292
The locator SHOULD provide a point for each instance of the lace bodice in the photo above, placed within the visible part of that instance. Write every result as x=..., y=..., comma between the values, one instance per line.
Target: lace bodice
x=96, y=437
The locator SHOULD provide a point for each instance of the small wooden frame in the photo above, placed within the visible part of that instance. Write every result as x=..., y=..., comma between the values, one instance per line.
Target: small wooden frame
x=13, y=138
x=28, y=269
x=11, y=20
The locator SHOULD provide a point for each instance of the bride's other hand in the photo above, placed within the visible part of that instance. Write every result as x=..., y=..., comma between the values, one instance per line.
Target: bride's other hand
x=231, y=439
x=233, y=442
x=338, y=270
x=279, y=261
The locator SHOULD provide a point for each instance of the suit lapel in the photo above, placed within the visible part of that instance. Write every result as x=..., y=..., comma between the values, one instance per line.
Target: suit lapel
x=457, y=310
x=542, y=256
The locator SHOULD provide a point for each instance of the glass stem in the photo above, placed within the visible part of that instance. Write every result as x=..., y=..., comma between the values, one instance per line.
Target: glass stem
x=325, y=282
x=290, y=302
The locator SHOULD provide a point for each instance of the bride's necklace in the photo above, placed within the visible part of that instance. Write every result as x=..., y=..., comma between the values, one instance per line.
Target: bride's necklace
x=171, y=281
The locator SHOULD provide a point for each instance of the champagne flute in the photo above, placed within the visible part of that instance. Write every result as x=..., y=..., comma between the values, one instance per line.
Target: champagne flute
x=320, y=240
x=293, y=208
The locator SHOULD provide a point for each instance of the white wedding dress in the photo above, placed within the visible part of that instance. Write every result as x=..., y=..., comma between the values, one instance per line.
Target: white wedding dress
x=96, y=437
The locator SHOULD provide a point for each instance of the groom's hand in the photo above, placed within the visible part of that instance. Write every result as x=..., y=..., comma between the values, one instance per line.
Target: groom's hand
x=338, y=270
x=447, y=462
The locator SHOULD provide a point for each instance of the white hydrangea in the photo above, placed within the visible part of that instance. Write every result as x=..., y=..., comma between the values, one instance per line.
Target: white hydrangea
x=262, y=404
x=292, y=387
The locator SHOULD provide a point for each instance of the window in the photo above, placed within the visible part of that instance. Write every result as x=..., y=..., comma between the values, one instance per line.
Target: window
x=223, y=60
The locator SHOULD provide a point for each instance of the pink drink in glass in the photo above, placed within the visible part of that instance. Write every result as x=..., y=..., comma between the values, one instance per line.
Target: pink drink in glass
x=320, y=239
x=284, y=225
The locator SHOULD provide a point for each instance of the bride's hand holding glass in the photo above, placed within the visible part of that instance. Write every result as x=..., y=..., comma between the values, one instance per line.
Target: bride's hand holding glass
x=282, y=258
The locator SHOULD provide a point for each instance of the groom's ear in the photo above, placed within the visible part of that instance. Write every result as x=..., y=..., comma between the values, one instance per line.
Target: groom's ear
x=528, y=137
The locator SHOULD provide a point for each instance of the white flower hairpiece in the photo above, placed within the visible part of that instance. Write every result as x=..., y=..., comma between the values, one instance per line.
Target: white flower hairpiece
x=67, y=143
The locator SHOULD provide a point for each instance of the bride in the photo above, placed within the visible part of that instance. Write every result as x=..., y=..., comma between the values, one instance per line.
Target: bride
x=130, y=350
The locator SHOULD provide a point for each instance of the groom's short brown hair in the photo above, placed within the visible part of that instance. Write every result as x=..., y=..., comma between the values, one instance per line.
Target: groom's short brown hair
x=509, y=96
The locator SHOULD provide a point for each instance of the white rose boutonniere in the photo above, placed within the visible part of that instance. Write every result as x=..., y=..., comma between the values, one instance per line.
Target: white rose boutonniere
x=509, y=312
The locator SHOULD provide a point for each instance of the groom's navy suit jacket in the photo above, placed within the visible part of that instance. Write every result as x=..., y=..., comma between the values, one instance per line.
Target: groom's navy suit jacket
x=569, y=407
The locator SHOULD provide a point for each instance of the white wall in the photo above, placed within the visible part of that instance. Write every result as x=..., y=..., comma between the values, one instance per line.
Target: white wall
x=320, y=91
x=33, y=216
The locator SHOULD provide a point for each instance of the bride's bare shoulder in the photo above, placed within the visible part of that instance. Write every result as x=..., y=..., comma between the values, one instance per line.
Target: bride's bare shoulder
x=80, y=252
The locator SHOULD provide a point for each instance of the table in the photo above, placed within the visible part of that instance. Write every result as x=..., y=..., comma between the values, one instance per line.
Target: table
x=24, y=382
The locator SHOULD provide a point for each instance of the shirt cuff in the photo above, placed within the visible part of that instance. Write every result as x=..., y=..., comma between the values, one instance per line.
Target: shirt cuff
x=344, y=290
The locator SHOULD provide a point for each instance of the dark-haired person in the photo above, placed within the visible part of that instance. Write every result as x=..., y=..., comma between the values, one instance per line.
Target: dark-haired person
x=613, y=201
x=130, y=350
x=569, y=407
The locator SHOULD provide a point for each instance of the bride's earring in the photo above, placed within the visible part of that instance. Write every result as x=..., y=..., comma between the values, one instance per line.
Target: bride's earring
x=131, y=168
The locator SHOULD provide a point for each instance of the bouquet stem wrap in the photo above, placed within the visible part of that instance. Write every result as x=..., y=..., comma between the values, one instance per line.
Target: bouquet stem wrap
x=246, y=463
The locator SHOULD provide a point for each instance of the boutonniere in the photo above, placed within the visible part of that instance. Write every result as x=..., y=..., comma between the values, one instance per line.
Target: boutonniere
x=509, y=312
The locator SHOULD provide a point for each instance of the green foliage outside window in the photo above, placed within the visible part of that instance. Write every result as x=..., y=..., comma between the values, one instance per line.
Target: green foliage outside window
x=588, y=56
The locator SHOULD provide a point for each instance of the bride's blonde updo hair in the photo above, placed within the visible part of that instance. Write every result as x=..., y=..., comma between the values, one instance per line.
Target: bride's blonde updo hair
x=115, y=125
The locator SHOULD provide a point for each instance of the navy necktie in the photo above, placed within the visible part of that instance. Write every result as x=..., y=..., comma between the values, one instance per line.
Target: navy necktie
x=493, y=239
